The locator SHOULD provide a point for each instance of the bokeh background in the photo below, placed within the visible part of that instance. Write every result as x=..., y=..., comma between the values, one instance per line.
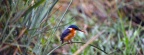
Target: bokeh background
x=33, y=27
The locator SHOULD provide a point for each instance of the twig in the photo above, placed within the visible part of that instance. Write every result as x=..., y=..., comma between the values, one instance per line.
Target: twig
x=92, y=46
x=3, y=48
x=88, y=43
x=16, y=50
x=76, y=42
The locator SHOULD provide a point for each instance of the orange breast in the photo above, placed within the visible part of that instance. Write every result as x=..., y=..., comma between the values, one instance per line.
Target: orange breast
x=71, y=35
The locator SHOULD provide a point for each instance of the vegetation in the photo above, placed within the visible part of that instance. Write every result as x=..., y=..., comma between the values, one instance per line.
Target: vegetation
x=33, y=27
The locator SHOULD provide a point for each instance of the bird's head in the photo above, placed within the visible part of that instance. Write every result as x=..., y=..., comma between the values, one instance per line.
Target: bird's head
x=75, y=27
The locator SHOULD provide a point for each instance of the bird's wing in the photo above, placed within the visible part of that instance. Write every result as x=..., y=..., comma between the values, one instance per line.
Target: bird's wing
x=64, y=34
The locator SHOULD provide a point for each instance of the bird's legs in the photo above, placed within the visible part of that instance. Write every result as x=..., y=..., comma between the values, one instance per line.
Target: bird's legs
x=70, y=42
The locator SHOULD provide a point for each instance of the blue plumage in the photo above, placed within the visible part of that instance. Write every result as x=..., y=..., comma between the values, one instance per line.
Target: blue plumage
x=68, y=33
x=64, y=34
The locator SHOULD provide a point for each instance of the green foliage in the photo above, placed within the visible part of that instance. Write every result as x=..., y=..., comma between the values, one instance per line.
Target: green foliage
x=29, y=27
x=24, y=23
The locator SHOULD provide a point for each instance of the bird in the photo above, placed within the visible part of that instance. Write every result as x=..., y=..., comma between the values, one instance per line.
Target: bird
x=69, y=33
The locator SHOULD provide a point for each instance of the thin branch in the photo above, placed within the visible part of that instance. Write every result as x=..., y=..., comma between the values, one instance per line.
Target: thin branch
x=92, y=46
x=76, y=42
x=3, y=48
x=88, y=43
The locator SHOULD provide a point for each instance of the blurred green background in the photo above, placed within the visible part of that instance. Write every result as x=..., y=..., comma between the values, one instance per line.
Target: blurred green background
x=33, y=27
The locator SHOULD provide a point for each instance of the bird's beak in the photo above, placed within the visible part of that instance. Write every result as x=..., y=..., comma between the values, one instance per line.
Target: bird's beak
x=82, y=31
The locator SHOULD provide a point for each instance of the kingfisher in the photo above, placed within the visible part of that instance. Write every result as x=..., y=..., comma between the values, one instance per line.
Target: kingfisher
x=69, y=33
